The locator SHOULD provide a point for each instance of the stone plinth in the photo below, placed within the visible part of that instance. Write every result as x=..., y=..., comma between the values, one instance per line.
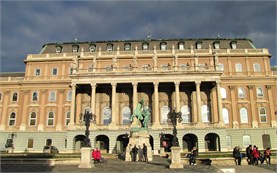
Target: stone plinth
x=162, y=153
x=176, y=158
x=86, y=160
x=138, y=137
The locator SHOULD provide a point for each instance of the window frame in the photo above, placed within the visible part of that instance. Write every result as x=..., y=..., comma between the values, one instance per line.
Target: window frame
x=243, y=120
x=125, y=119
x=257, y=67
x=109, y=47
x=242, y=94
x=12, y=119
x=198, y=45
x=145, y=46
x=181, y=45
x=207, y=114
x=67, y=118
x=163, y=46
x=216, y=45
x=220, y=67
x=92, y=48
x=55, y=71
x=30, y=142
x=52, y=96
x=75, y=48
x=260, y=92
x=127, y=46
x=238, y=67
x=14, y=97
x=262, y=115
x=49, y=119
x=69, y=96
x=59, y=49
x=225, y=117
x=233, y=45
x=33, y=119
x=37, y=72
x=186, y=114
x=37, y=96
x=223, y=93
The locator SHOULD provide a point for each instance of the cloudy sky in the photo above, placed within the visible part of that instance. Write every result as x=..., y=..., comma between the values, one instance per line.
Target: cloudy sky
x=27, y=25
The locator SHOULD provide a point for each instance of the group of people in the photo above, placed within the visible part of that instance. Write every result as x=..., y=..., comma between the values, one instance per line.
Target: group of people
x=96, y=155
x=141, y=152
x=253, y=155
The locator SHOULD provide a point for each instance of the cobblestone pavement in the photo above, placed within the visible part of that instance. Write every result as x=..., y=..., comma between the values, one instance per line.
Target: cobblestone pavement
x=116, y=165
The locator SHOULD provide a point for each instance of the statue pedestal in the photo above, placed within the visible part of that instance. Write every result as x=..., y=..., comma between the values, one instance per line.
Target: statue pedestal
x=162, y=153
x=176, y=158
x=138, y=137
x=86, y=160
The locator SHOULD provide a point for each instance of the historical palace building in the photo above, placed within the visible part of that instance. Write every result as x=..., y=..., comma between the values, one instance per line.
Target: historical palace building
x=224, y=88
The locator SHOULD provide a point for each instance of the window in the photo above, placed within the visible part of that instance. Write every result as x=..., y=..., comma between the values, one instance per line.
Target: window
x=69, y=96
x=33, y=119
x=205, y=111
x=67, y=120
x=164, y=111
x=92, y=48
x=199, y=45
x=109, y=47
x=246, y=140
x=181, y=45
x=52, y=96
x=54, y=71
x=223, y=93
x=260, y=92
x=14, y=98
x=75, y=48
x=126, y=115
x=30, y=144
x=163, y=46
x=107, y=115
x=243, y=115
x=225, y=115
x=109, y=68
x=229, y=141
x=48, y=142
x=241, y=93
x=184, y=66
x=216, y=45
x=50, y=120
x=146, y=67
x=37, y=72
x=185, y=114
x=238, y=68
x=127, y=46
x=234, y=45
x=221, y=67
x=262, y=115
x=257, y=67
x=165, y=67
x=35, y=97
x=12, y=119
x=59, y=49
x=145, y=46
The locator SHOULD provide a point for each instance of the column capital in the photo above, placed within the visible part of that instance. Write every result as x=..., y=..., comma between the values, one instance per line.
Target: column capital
x=268, y=86
x=26, y=91
x=197, y=82
x=218, y=81
x=73, y=85
x=156, y=84
x=93, y=85
x=232, y=87
x=113, y=84
x=61, y=91
x=250, y=86
x=135, y=83
x=7, y=92
x=177, y=82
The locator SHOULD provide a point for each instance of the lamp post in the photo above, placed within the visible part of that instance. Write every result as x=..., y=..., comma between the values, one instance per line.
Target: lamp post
x=173, y=117
x=88, y=118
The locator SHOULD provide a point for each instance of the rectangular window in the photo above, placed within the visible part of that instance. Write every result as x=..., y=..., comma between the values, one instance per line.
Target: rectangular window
x=221, y=67
x=30, y=143
x=37, y=72
x=54, y=72
x=238, y=68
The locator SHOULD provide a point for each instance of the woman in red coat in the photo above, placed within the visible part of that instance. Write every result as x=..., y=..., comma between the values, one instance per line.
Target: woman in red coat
x=97, y=155
x=255, y=154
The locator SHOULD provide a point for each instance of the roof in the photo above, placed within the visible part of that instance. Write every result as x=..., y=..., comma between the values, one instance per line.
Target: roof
x=12, y=74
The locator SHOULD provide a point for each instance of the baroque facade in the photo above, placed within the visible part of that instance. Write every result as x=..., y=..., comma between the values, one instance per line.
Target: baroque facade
x=224, y=88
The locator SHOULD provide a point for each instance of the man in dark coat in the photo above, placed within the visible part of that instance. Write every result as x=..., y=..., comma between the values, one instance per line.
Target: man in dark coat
x=134, y=153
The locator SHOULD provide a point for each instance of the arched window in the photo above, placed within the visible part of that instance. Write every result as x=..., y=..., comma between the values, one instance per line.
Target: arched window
x=59, y=49
x=109, y=47
x=127, y=46
x=52, y=96
x=257, y=67
x=107, y=115
x=246, y=140
x=262, y=115
x=243, y=115
x=69, y=96
x=33, y=119
x=92, y=48
x=12, y=119
x=15, y=97
x=50, y=121
x=126, y=114
x=67, y=119
x=260, y=92
x=229, y=141
x=205, y=111
x=185, y=114
x=225, y=115
x=164, y=111
x=35, y=97
x=223, y=93
x=241, y=92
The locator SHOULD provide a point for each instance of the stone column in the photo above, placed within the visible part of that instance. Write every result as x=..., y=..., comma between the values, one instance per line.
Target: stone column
x=6, y=97
x=24, y=121
x=234, y=107
x=271, y=106
x=177, y=97
x=92, y=101
x=219, y=104
x=252, y=105
x=113, y=124
x=60, y=110
x=42, y=117
x=156, y=124
x=198, y=103
x=72, y=107
x=247, y=67
x=135, y=95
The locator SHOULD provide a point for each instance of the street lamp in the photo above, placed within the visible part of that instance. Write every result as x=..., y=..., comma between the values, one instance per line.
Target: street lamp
x=173, y=117
x=88, y=118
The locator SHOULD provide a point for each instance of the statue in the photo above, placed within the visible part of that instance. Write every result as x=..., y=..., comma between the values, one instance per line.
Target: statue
x=142, y=113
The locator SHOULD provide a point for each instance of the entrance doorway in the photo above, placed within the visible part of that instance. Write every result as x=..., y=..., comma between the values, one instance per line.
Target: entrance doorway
x=189, y=141
x=212, y=142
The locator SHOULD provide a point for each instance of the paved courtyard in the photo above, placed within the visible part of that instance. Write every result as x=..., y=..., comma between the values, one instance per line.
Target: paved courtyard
x=116, y=165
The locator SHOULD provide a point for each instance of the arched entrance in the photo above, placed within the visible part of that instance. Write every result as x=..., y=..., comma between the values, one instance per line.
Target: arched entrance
x=121, y=143
x=102, y=142
x=79, y=142
x=266, y=141
x=190, y=141
x=212, y=142
x=167, y=142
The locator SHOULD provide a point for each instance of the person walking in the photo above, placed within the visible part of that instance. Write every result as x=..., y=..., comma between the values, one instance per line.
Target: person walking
x=255, y=155
x=237, y=156
x=134, y=153
x=145, y=158
x=267, y=154
x=249, y=155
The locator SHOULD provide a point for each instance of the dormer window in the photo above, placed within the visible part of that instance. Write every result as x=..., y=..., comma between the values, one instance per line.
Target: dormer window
x=199, y=45
x=59, y=49
x=92, y=48
x=109, y=47
x=163, y=46
x=145, y=46
x=181, y=45
x=234, y=45
x=127, y=46
x=216, y=45
x=75, y=48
